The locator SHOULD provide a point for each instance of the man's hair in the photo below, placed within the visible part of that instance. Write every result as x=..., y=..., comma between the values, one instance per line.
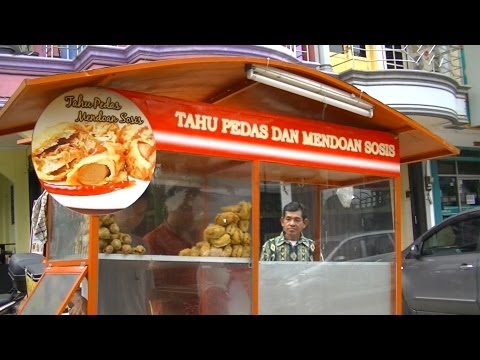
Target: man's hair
x=295, y=206
x=177, y=195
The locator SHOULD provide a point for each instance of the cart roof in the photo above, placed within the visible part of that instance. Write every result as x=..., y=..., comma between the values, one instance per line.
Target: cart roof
x=222, y=80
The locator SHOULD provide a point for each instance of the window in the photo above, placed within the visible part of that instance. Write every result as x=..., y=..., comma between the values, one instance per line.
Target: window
x=394, y=57
x=446, y=167
x=350, y=250
x=336, y=48
x=378, y=244
x=359, y=50
x=458, y=238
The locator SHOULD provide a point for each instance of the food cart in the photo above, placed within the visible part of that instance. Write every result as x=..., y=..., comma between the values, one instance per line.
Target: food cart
x=249, y=135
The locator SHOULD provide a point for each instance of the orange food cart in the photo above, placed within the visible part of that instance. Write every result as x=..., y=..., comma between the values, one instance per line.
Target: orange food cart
x=248, y=135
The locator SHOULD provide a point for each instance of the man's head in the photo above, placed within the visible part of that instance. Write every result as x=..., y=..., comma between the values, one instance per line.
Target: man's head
x=294, y=220
x=179, y=198
x=179, y=204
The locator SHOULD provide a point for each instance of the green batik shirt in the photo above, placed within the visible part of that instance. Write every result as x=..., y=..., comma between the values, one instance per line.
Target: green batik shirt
x=279, y=249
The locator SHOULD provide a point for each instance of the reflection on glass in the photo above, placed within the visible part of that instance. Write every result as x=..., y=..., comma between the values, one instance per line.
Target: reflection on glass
x=49, y=294
x=68, y=233
x=200, y=206
x=187, y=195
x=351, y=221
x=318, y=288
x=184, y=288
x=448, y=191
x=470, y=193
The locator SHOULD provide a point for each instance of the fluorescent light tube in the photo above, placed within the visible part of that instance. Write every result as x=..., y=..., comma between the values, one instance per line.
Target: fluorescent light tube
x=310, y=89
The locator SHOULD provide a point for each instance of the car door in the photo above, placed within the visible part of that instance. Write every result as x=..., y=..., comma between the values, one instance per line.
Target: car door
x=444, y=277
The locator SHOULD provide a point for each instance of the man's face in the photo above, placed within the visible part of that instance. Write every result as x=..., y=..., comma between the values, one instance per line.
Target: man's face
x=293, y=224
x=131, y=217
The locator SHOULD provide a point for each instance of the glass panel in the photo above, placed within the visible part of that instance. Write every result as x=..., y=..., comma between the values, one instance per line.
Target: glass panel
x=448, y=193
x=68, y=233
x=461, y=237
x=446, y=167
x=303, y=288
x=336, y=48
x=350, y=220
x=49, y=294
x=161, y=287
x=349, y=225
x=195, y=207
x=468, y=168
x=469, y=191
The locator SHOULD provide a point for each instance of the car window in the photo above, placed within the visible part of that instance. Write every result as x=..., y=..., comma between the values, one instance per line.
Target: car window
x=349, y=250
x=469, y=235
x=378, y=244
x=457, y=238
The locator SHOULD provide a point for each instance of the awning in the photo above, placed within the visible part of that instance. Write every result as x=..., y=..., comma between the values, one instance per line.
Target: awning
x=223, y=81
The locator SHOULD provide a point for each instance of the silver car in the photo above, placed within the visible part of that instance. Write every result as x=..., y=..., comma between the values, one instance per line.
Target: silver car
x=367, y=246
x=440, y=269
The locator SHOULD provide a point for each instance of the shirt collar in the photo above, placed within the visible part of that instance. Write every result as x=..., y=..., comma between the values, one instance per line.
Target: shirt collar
x=281, y=239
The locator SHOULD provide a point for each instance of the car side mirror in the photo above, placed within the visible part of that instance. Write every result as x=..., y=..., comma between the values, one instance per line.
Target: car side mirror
x=415, y=250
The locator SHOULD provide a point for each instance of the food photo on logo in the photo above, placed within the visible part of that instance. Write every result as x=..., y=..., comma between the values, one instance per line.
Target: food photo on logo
x=93, y=150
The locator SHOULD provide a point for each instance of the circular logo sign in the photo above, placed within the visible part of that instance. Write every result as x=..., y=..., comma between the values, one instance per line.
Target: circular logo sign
x=93, y=150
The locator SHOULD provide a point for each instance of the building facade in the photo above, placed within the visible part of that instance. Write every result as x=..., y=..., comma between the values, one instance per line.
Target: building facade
x=432, y=84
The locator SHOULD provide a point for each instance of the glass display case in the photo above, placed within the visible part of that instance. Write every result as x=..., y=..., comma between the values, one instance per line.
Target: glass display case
x=191, y=243
x=197, y=250
x=351, y=220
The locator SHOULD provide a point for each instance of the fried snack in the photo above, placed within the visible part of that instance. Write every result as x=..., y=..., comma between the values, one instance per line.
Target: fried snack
x=247, y=239
x=215, y=251
x=227, y=251
x=221, y=241
x=104, y=132
x=205, y=249
x=185, y=252
x=237, y=250
x=245, y=208
x=107, y=220
x=114, y=228
x=246, y=251
x=226, y=218
x=57, y=149
x=213, y=232
x=230, y=229
x=139, y=249
x=127, y=249
x=117, y=244
x=102, y=244
x=244, y=225
x=126, y=239
x=104, y=233
x=140, y=151
x=237, y=237
x=195, y=252
x=103, y=167
x=108, y=249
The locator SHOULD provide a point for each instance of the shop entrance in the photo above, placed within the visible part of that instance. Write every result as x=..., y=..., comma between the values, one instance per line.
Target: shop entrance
x=459, y=194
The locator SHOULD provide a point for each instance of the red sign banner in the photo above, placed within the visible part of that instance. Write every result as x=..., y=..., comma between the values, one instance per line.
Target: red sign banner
x=199, y=128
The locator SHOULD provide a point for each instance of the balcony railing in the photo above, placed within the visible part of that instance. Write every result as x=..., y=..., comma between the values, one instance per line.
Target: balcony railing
x=444, y=59
x=66, y=51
